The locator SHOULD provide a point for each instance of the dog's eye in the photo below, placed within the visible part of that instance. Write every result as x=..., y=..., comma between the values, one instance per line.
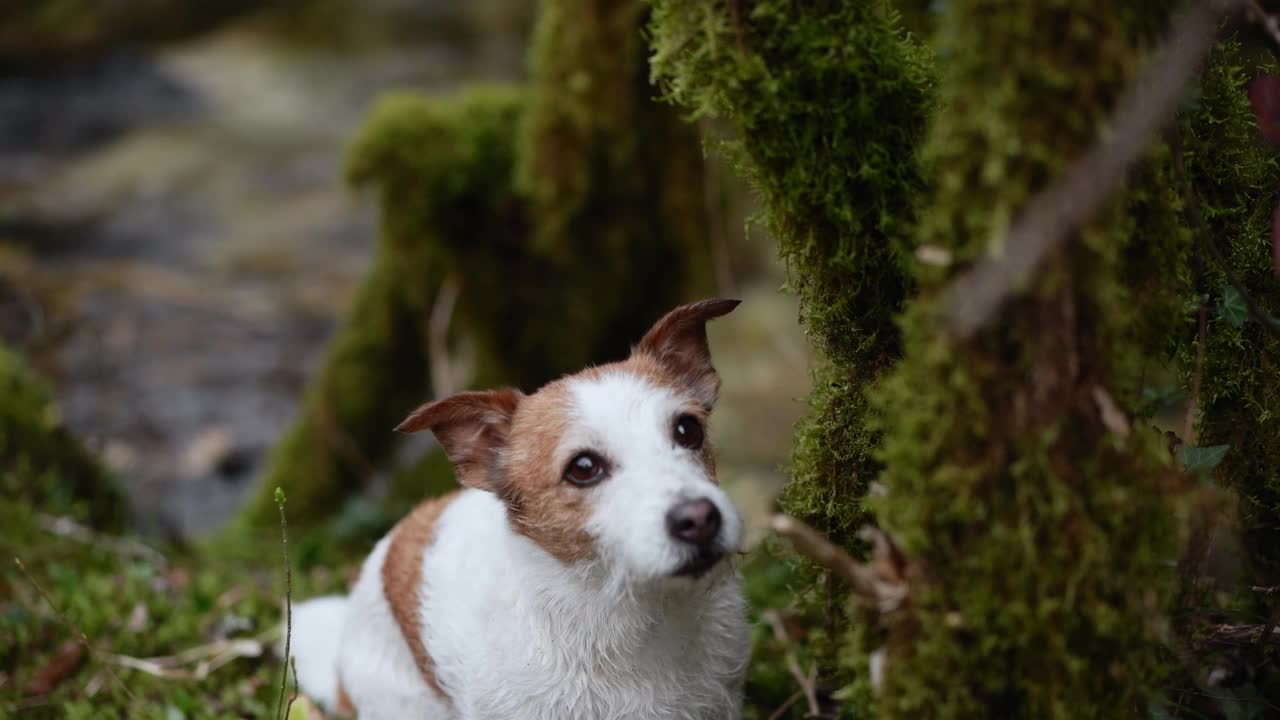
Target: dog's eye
x=688, y=432
x=585, y=468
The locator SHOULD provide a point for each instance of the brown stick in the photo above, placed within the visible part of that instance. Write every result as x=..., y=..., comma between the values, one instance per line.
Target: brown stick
x=1051, y=217
x=812, y=544
x=807, y=682
x=75, y=629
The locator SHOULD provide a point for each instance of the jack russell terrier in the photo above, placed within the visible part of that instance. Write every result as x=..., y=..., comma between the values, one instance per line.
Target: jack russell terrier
x=581, y=573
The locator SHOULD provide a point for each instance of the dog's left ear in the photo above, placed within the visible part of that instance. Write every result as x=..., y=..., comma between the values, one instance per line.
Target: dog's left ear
x=678, y=342
x=472, y=427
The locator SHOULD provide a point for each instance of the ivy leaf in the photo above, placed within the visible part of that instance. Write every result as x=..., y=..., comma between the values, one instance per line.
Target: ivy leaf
x=1264, y=96
x=1233, y=309
x=1203, y=459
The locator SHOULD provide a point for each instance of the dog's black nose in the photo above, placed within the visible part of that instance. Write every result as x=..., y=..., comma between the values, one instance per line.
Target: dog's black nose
x=694, y=521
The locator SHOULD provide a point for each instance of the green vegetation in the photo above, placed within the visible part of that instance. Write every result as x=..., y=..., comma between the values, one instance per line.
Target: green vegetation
x=1236, y=179
x=527, y=201
x=40, y=462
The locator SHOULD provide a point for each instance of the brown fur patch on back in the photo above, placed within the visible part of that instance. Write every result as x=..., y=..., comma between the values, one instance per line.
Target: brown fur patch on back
x=402, y=579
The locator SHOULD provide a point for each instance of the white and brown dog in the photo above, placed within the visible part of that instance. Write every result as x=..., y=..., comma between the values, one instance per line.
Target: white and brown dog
x=580, y=574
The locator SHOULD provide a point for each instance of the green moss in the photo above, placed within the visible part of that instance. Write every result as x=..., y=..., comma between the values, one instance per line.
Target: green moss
x=141, y=608
x=442, y=169
x=1040, y=532
x=1236, y=177
x=828, y=101
x=614, y=183
x=567, y=234
x=40, y=461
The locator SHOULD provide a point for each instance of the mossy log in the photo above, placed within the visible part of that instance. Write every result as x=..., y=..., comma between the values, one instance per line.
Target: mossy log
x=41, y=462
x=1038, y=521
x=568, y=215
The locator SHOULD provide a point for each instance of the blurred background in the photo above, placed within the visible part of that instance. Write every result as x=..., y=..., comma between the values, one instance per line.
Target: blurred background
x=183, y=234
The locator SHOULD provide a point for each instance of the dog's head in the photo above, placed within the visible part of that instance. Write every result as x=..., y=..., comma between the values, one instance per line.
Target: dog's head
x=611, y=464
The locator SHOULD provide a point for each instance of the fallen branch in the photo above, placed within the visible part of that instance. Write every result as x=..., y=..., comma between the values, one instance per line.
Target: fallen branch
x=806, y=681
x=207, y=659
x=1052, y=216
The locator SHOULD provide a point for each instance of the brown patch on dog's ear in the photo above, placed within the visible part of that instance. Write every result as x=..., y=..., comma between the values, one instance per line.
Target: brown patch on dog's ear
x=678, y=342
x=472, y=427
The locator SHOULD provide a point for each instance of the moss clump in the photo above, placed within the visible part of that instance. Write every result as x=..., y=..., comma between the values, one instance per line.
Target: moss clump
x=41, y=463
x=1039, y=528
x=443, y=171
x=1236, y=178
x=829, y=101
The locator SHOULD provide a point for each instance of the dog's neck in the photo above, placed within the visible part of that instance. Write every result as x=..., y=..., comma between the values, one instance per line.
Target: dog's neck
x=596, y=613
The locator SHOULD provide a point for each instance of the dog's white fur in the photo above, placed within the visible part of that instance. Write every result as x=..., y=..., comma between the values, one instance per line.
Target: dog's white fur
x=516, y=633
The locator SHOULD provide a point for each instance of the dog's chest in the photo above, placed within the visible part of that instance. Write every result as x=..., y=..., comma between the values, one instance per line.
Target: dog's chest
x=600, y=663
x=664, y=678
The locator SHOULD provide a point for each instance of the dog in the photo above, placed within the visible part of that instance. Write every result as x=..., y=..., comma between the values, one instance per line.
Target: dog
x=583, y=572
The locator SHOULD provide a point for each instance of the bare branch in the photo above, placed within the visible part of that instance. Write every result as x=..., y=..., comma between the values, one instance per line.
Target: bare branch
x=807, y=682
x=123, y=546
x=882, y=583
x=1052, y=216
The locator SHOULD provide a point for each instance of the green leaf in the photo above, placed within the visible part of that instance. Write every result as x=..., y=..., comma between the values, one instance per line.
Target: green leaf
x=1203, y=459
x=1233, y=309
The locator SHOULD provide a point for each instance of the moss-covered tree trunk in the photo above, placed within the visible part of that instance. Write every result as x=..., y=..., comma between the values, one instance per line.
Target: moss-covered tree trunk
x=569, y=215
x=1033, y=510
x=828, y=102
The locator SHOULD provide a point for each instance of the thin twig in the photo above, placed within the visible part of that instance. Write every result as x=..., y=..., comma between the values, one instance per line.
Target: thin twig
x=784, y=707
x=288, y=708
x=288, y=609
x=807, y=682
x=1257, y=14
x=127, y=547
x=1189, y=423
x=887, y=592
x=207, y=659
x=1053, y=215
x=446, y=375
x=75, y=629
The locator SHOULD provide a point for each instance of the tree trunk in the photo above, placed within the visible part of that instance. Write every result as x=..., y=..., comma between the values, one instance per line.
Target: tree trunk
x=1034, y=512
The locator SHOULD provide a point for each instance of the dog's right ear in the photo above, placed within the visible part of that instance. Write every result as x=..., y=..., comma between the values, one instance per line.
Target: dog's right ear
x=472, y=427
